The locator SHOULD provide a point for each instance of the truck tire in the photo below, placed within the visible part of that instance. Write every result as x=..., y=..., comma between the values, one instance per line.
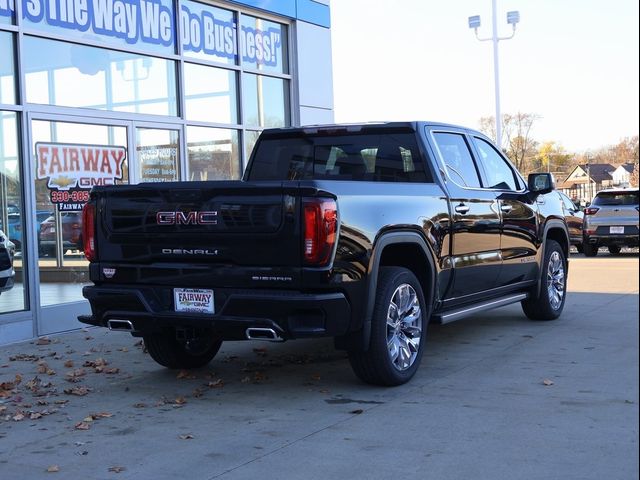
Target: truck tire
x=549, y=301
x=169, y=352
x=398, y=330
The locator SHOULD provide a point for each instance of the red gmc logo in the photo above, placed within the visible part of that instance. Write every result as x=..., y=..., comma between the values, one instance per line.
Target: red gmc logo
x=187, y=218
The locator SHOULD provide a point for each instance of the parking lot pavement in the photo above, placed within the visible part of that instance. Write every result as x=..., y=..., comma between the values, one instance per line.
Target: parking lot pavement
x=497, y=397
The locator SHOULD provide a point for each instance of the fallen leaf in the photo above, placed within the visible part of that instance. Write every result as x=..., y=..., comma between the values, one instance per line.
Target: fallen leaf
x=68, y=364
x=53, y=469
x=102, y=415
x=547, y=382
x=43, y=341
x=117, y=469
x=82, y=426
x=245, y=380
x=18, y=417
x=185, y=374
x=111, y=371
x=123, y=349
x=180, y=401
x=140, y=405
x=35, y=416
x=88, y=419
x=186, y=436
x=43, y=367
x=79, y=391
x=216, y=383
x=316, y=376
x=356, y=412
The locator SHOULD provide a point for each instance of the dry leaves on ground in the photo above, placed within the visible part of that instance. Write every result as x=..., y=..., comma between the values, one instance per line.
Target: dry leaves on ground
x=53, y=469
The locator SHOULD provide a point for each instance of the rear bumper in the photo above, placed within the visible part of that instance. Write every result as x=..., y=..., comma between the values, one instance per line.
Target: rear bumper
x=291, y=314
x=605, y=240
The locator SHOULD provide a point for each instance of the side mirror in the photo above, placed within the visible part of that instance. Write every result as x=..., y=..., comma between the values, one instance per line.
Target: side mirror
x=541, y=183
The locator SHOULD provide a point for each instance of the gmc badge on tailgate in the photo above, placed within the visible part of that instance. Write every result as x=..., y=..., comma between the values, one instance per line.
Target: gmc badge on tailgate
x=187, y=218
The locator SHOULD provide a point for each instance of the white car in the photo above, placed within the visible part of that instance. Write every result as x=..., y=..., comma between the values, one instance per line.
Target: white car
x=7, y=274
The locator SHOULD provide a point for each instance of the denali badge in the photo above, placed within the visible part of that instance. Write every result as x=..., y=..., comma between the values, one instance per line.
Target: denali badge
x=109, y=272
x=187, y=218
x=189, y=251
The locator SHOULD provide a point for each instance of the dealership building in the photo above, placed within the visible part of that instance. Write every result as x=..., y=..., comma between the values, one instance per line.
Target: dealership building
x=102, y=92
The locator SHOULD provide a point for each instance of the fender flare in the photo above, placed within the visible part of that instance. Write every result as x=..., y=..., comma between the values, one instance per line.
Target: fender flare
x=380, y=244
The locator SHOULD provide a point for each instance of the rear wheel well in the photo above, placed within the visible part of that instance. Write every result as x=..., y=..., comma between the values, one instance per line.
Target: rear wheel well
x=411, y=257
x=559, y=236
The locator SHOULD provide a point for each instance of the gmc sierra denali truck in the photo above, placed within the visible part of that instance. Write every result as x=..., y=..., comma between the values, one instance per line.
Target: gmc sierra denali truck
x=365, y=233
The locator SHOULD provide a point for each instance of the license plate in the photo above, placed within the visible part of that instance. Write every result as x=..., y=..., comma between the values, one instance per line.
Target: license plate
x=616, y=230
x=196, y=300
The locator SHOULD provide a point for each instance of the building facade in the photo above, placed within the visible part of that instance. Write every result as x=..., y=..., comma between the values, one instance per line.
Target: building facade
x=102, y=92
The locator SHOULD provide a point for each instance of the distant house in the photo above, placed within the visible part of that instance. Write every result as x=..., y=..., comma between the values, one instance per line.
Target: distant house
x=584, y=181
x=622, y=175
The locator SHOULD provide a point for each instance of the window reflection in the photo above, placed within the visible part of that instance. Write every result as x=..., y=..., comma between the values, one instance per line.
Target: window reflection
x=208, y=33
x=109, y=80
x=7, y=69
x=213, y=154
x=12, y=219
x=265, y=101
x=264, y=45
x=158, y=154
x=210, y=94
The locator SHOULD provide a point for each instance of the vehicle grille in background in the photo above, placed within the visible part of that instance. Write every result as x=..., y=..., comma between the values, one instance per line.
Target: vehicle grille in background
x=5, y=262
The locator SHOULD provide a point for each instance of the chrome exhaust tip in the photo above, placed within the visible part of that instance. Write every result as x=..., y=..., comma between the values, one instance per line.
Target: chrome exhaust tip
x=268, y=334
x=120, y=325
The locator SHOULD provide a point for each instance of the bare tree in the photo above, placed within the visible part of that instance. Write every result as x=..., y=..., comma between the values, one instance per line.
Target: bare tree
x=516, y=136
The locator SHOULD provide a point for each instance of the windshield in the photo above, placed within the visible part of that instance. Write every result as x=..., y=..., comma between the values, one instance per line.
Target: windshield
x=383, y=157
x=616, y=198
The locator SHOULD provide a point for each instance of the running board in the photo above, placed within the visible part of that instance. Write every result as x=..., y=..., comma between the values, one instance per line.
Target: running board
x=463, y=312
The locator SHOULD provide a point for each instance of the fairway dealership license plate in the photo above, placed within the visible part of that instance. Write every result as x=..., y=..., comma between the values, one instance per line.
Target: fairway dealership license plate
x=616, y=230
x=193, y=300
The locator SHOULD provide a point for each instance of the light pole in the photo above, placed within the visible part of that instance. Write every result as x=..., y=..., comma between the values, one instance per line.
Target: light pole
x=513, y=18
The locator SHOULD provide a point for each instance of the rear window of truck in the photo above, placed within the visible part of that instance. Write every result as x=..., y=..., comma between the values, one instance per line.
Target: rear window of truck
x=381, y=157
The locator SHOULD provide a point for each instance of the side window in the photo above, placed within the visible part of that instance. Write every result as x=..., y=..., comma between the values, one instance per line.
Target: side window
x=568, y=204
x=499, y=173
x=457, y=159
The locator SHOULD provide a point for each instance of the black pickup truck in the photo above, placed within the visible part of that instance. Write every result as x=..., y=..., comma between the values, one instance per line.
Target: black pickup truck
x=365, y=233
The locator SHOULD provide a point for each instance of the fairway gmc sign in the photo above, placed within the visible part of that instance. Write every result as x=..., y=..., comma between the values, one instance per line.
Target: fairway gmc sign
x=72, y=169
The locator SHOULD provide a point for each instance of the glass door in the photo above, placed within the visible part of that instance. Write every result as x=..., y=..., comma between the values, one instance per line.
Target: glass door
x=69, y=157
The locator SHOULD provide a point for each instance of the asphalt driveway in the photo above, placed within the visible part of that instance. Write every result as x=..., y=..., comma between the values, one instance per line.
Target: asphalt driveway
x=497, y=397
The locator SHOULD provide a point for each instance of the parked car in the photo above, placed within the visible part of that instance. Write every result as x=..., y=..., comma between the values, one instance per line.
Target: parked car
x=15, y=226
x=574, y=217
x=611, y=221
x=71, y=233
x=7, y=274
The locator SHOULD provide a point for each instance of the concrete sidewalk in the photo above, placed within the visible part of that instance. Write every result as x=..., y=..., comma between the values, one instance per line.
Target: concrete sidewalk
x=497, y=397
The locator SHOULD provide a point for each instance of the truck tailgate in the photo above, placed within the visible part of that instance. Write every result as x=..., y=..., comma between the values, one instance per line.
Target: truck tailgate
x=216, y=223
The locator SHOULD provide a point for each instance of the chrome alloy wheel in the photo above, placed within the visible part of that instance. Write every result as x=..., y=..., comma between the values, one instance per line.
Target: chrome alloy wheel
x=404, y=327
x=555, y=280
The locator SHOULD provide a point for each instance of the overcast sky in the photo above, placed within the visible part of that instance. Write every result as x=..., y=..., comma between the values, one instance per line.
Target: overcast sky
x=573, y=62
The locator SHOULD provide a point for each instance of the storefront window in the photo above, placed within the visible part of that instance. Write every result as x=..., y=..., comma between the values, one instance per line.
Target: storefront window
x=95, y=155
x=150, y=25
x=208, y=33
x=7, y=69
x=250, y=139
x=263, y=45
x=12, y=219
x=71, y=75
x=158, y=154
x=210, y=94
x=7, y=12
x=265, y=101
x=213, y=154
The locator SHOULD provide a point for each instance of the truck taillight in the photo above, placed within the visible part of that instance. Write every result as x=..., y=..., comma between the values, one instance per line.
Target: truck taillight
x=590, y=210
x=89, y=231
x=320, y=230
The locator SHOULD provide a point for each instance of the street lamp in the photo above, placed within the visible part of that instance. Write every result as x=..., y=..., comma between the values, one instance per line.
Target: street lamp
x=513, y=18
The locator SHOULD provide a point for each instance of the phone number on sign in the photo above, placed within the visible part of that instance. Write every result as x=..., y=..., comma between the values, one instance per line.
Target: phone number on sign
x=75, y=196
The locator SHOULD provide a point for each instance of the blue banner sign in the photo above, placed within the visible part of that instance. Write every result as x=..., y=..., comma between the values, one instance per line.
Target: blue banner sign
x=152, y=22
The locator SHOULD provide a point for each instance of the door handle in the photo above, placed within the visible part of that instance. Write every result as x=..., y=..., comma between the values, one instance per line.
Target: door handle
x=506, y=208
x=462, y=208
